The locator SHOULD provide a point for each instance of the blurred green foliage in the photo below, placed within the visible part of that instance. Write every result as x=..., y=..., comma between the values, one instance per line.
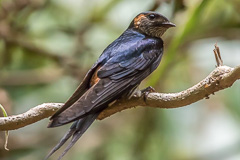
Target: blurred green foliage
x=46, y=47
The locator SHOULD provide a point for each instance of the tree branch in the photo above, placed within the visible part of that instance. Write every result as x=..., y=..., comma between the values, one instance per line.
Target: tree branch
x=220, y=78
x=31, y=116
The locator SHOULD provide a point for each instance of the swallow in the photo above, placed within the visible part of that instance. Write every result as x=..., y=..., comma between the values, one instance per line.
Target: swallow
x=119, y=70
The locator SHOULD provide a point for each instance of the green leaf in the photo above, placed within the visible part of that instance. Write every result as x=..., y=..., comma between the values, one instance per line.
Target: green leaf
x=6, y=132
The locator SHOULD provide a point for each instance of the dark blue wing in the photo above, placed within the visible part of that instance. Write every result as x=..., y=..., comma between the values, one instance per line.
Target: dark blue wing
x=148, y=52
x=128, y=39
x=82, y=88
x=118, y=75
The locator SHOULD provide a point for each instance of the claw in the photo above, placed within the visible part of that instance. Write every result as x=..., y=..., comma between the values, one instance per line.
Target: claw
x=146, y=91
x=149, y=89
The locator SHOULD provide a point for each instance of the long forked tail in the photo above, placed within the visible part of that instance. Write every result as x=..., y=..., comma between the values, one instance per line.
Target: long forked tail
x=76, y=131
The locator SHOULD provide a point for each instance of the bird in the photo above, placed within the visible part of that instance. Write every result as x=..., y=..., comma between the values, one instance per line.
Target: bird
x=119, y=70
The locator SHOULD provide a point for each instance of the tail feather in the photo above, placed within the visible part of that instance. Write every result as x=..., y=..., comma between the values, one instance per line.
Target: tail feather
x=76, y=131
x=62, y=141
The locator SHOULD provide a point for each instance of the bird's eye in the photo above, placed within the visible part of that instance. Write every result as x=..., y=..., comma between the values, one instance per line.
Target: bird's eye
x=151, y=16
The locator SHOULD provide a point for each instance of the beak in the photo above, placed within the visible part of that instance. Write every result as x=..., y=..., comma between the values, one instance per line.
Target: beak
x=168, y=24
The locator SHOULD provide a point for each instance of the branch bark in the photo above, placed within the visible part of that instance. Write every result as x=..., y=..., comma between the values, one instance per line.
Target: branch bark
x=220, y=78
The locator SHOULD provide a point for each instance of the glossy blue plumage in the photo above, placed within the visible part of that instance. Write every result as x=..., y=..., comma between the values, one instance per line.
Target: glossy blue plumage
x=120, y=68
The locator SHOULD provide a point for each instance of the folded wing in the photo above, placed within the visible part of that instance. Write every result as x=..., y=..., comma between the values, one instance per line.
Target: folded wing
x=116, y=78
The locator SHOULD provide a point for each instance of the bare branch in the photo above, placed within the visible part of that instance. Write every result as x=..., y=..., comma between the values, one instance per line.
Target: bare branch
x=220, y=78
x=31, y=116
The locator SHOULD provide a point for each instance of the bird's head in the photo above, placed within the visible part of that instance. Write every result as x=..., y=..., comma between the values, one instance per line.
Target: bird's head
x=151, y=23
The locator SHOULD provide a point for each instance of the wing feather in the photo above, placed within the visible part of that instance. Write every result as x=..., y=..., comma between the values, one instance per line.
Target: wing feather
x=82, y=88
x=117, y=76
x=90, y=102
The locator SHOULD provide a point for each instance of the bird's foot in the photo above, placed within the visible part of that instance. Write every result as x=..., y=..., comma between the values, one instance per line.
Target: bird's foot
x=149, y=89
x=146, y=91
x=143, y=92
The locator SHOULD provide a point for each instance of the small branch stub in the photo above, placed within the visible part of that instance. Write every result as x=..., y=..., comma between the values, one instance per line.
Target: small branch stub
x=217, y=54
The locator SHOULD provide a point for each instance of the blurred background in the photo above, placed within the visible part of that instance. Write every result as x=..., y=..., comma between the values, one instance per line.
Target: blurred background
x=47, y=46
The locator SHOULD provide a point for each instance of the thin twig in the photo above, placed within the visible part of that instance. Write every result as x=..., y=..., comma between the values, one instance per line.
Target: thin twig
x=217, y=54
